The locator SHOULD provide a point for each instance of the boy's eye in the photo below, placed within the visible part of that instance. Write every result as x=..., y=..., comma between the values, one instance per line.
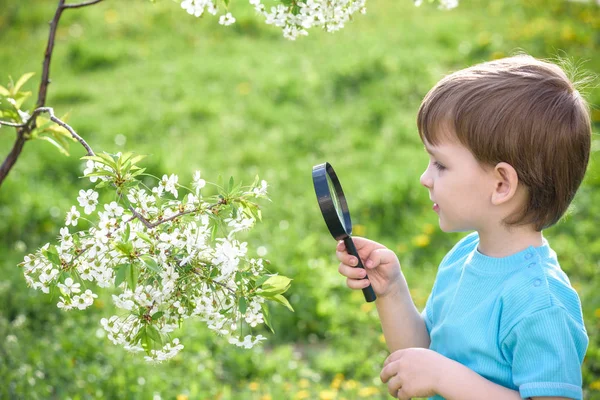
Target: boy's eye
x=439, y=166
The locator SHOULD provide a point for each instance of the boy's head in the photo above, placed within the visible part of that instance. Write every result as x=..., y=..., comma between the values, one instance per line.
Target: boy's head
x=521, y=111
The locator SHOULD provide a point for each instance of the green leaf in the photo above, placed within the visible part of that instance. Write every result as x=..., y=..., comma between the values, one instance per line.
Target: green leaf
x=124, y=247
x=276, y=284
x=22, y=80
x=126, y=233
x=100, y=173
x=242, y=305
x=109, y=160
x=138, y=172
x=132, y=277
x=137, y=158
x=52, y=255
x=145, y=340
x=267, y=316
x=20, y=98
x=230, y=185
x=151, y=263
x=261, y=280
x=55, y=144
x=102, y=184
x=154, y=334
x=122, y=273
x=4, y=91
x=157, y=315
x=213, y=233
x=282, y=300
x=144, y=237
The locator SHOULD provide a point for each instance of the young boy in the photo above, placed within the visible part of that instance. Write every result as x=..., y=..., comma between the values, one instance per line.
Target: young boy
x=509, y=142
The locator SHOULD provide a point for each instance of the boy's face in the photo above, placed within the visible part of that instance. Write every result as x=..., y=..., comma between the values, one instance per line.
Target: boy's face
x=459, y=187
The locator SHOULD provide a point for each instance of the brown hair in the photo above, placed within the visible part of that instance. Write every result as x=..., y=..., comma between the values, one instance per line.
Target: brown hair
x=522, y=111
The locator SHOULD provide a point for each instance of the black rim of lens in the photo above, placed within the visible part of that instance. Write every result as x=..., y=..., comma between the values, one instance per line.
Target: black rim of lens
x=339, y=227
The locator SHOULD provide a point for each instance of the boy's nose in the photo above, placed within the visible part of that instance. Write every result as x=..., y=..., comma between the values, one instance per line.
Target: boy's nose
x=426, y=180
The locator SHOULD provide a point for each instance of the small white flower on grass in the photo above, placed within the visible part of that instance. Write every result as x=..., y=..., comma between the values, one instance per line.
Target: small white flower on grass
x=226, y=19
x=88, y=200
x=72, y=216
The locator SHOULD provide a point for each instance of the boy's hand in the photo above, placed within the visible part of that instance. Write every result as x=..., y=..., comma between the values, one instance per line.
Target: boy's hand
x=382, y=266
x=412, y=372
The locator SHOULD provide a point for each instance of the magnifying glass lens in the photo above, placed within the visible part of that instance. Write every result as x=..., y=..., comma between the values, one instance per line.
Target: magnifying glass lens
x=336, y=201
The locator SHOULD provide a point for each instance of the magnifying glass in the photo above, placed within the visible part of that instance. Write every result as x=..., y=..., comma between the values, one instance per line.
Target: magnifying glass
x=335, y=212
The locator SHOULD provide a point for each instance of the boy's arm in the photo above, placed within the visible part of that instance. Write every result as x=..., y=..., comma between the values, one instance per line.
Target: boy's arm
x=459, y=382
x=402, y=324
x=419, y=372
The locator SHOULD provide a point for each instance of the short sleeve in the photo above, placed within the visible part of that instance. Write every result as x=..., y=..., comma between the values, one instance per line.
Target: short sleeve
x=546, y=350
x=426, y=314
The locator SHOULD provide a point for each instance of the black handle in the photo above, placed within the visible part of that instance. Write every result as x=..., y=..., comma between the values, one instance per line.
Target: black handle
x=368, y=291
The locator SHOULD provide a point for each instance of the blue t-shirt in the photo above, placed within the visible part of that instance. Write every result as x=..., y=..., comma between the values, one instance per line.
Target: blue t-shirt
x=515, y=320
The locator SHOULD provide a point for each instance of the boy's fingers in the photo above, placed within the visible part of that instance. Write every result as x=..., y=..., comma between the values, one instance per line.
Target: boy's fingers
x=357, y=283
x=351, y=272
x=393, y=357
x=346, y=258
x=379, y=256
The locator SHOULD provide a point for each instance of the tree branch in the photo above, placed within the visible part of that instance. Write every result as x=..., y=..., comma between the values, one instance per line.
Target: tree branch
x=11, y=158
x=48, y=55
x=84, y=4
x=23, y=131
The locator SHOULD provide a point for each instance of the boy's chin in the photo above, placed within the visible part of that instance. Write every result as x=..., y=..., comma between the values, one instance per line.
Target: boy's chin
x=449, y=228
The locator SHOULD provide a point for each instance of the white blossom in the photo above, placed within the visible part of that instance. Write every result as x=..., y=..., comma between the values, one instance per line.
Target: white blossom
x=167, y=273
x=72, y=216
x=198, y=183
x=69, y=287
x=88, y=200
x=226, y=19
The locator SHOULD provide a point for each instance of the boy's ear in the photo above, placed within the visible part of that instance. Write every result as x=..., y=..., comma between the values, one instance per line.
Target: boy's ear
x=506, y=183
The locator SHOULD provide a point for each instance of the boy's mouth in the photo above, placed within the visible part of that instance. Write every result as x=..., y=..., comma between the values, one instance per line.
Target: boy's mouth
x=436, y=208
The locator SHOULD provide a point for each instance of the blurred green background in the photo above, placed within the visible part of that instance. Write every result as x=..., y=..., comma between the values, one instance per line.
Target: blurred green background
x=243, y=101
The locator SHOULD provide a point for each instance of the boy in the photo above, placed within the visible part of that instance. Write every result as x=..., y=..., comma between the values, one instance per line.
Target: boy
x=509, y=142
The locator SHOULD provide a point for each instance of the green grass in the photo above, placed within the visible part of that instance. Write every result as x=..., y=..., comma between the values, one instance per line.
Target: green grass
x=243, y=101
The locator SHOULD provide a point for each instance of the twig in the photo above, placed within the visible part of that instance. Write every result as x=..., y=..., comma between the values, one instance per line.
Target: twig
x=84, y=4
x=14, y=125
x=50, y=111
x=151, y=225
x=140, y=217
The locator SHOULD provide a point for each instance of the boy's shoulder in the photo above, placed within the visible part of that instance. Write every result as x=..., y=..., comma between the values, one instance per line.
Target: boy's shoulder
x=462, y=248
x=529, y=282
x=540, y=285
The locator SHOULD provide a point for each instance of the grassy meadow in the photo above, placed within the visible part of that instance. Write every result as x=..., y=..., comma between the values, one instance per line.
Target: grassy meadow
x=240, y=101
